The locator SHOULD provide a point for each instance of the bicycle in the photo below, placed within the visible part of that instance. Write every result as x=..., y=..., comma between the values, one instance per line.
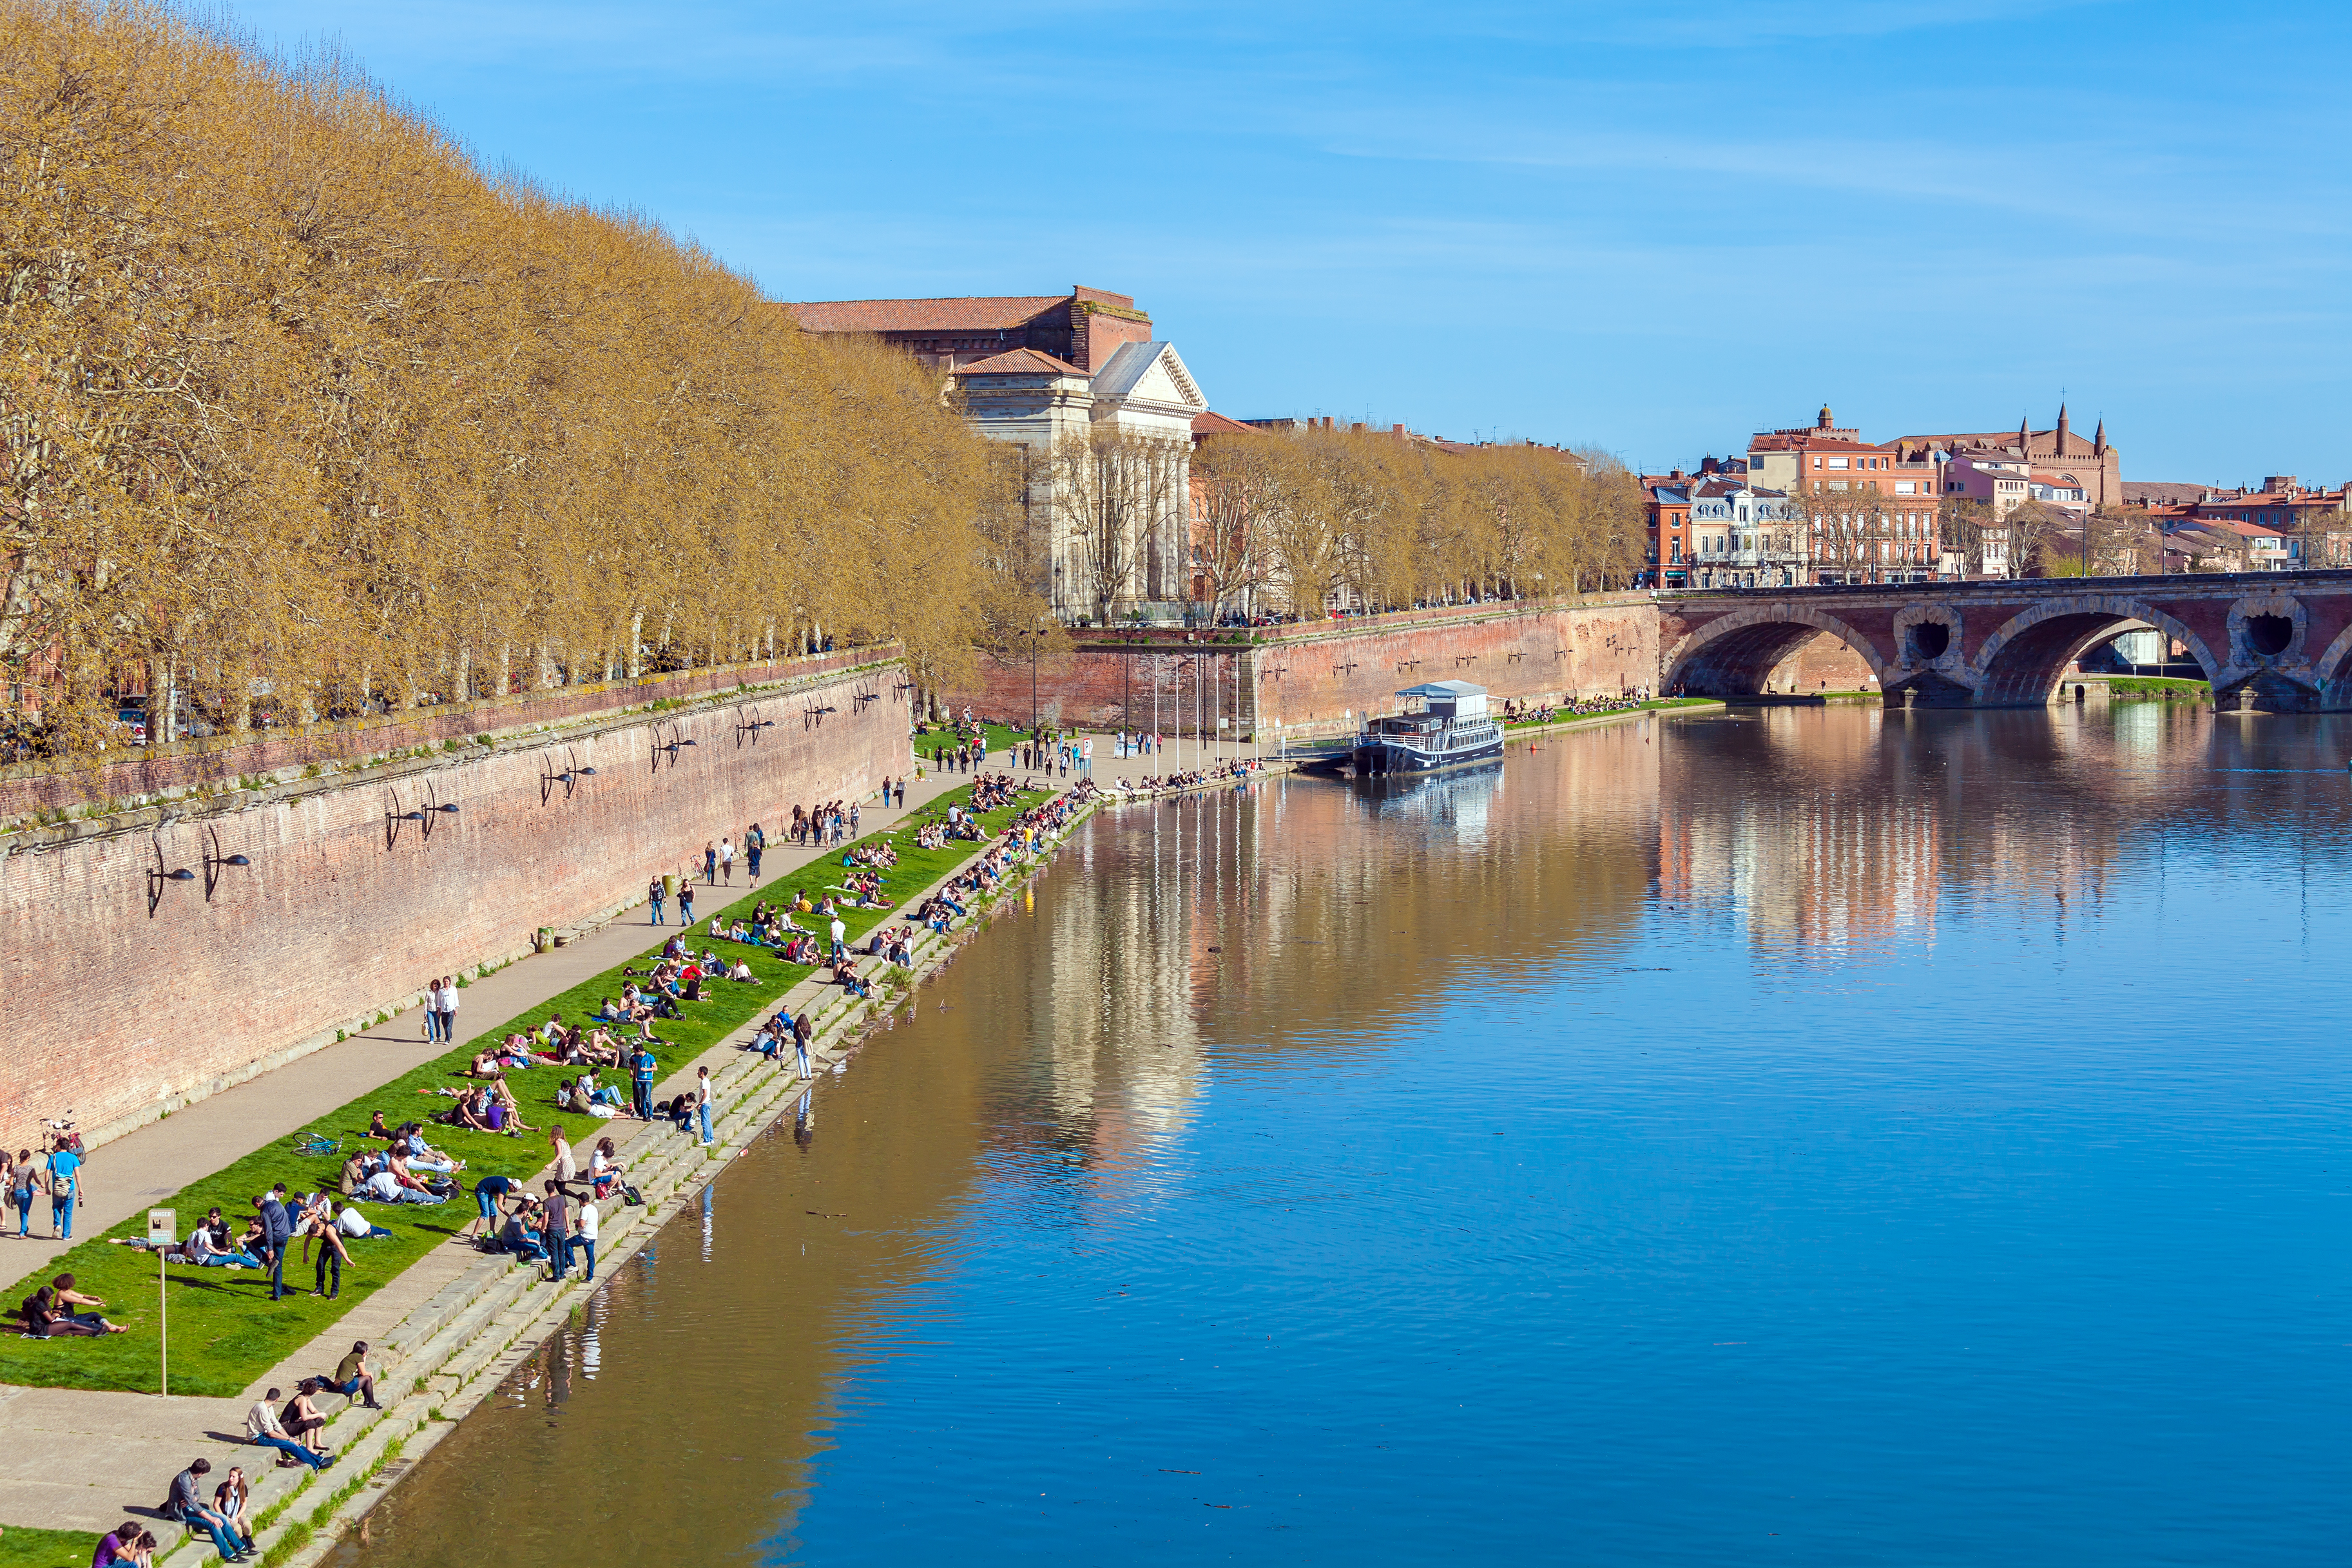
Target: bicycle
x=316, y=1145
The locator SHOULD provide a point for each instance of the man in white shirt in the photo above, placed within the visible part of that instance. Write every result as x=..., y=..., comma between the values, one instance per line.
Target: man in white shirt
x=448, y=1006
x=584, y=1239
x=838, y=931
x=261, y=1425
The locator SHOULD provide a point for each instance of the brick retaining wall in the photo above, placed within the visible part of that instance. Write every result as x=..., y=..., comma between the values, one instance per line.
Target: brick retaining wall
x=1321, y=677
x=122, y=1015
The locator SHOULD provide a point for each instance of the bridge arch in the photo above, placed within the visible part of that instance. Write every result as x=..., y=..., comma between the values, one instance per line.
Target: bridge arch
x=2020, y=663
x=1734, y=654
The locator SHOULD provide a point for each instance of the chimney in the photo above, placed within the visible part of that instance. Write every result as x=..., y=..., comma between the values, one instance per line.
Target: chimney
x=1357, y=428
x=1397, y=430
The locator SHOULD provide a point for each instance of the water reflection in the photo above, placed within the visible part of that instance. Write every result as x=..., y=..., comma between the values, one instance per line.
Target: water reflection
x=1387, y=1154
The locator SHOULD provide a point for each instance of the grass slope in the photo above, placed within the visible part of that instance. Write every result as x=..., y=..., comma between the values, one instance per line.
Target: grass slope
x=22, y=1547
x=225, y=1330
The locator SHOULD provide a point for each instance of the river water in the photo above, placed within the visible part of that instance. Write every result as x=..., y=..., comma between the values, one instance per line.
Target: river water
x=1826, y=1136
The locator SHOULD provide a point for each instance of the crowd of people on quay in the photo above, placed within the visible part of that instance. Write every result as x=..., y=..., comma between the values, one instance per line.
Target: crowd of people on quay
x=1238, y=771
x=1516, y=712
x=603, y=1065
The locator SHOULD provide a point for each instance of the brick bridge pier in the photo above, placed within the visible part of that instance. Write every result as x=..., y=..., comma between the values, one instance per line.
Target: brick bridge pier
x=2274, y=641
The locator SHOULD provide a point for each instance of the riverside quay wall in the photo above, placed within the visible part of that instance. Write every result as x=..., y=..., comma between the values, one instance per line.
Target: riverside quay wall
x=1318, y=678
x=142, y=972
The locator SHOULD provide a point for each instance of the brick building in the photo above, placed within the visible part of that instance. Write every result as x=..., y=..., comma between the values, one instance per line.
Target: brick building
x=1893, y=538
x=2092, y=465
x=1082, y=328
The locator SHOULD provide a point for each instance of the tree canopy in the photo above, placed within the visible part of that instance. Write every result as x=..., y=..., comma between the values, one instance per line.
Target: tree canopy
x=307, y=414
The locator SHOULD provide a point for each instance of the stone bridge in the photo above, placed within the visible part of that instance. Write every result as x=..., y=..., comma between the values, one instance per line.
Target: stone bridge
x=2278, y=642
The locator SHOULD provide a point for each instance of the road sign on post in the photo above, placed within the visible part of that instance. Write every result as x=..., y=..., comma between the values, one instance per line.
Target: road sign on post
x=162, y=1231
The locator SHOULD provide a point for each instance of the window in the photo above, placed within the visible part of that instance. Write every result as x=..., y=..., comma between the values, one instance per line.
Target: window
x=1906, y=488
x=1835, y=463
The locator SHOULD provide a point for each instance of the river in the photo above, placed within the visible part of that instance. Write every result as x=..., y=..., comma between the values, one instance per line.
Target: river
x=1827, y=1136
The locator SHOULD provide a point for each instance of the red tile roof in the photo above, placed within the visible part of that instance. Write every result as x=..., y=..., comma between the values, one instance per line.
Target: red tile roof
x=1213, y=424
x=1019, y=363
x=982, y=314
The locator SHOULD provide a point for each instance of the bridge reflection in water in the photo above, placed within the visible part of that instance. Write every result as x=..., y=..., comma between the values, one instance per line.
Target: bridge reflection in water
x=2269, y=642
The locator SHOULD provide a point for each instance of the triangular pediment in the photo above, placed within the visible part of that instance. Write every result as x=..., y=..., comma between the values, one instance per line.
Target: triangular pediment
x=1150, y=372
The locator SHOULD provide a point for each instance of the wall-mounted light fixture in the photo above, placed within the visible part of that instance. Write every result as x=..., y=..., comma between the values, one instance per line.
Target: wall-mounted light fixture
x=157, y=876
x=671, y=748
x=214, y=861
x=569, y=778
x=748, y=725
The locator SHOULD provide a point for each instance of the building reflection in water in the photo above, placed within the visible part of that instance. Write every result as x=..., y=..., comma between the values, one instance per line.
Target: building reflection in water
x=1298, y=928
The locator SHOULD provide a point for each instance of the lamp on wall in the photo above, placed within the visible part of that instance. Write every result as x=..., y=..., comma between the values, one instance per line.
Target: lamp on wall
x=213, y=861
x=748, y=725
x=157, y=876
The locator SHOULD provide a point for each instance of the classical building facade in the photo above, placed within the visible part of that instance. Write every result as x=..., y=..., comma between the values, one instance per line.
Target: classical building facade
x=1102, y=414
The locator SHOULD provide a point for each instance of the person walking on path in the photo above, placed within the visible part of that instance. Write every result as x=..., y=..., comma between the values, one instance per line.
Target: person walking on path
x=710, y=862
x=686, y=904
x=654, y=900
x=448, y=1008
x=21, y=1177
x=837, y=930
x=641, y=1081
x=702, y=1102
x=802, y=1031
x=755, y=843
x=431, y=1013
x=727, y=859
x=64, y=1189
x=584, y=1239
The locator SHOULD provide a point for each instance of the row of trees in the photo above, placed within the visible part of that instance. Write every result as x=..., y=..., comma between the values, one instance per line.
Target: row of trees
x=304, y=415
x=1305, y=518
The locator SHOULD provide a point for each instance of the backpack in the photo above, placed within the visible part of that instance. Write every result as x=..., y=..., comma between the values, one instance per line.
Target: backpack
x=631, y=1196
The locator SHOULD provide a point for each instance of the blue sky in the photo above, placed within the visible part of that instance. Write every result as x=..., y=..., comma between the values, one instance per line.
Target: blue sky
x=1652, y=228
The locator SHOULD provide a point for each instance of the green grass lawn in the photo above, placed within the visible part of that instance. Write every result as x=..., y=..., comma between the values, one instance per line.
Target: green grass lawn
x=225, y=1330
x=1000, y=737
x=21, y=1547
x=2160, y=687
x=1658, y=705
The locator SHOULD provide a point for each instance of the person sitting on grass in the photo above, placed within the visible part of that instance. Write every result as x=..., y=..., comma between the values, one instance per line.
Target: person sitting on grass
x=740, y=971
x=424, y=1157
x=46, y=1317
x=377, y=1129
x=263, y=1428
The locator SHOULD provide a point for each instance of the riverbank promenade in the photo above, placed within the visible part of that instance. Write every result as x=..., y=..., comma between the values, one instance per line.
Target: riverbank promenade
x=107, y=1455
